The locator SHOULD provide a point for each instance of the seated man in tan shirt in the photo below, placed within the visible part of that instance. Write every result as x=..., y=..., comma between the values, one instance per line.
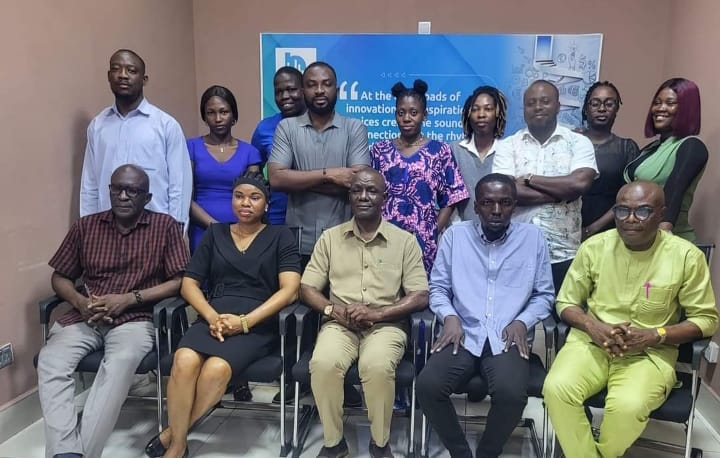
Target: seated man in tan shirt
x=376, y=278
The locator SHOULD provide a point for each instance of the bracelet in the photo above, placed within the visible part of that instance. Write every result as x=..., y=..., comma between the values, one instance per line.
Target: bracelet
x=138, y=296
x=324, y=175
x=244, y=324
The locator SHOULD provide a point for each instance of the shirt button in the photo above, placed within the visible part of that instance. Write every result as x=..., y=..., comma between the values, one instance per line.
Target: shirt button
x=364, y=289
x=366, y=266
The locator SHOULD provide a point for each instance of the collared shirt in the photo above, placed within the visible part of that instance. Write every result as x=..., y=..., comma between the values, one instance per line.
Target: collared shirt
x=262, y=139
x=648, y=288
x=114, y=263
x=148, y=138
x=378, y=271
x=561, y=154
x=299, y=146
x=490, y=284
x=472, y=168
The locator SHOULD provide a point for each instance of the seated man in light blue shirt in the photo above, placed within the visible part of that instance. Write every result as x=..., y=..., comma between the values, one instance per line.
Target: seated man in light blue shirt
x=490, y=284
x=132, y=131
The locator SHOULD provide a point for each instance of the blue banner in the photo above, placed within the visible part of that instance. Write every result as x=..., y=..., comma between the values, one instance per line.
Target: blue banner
x=453, y=66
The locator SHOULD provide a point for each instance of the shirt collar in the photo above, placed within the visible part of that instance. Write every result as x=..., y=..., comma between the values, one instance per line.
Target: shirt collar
x=560, y=131
x=109, y=217
x=470, y=146
x=143, y=108
x=350, y=227
x=499, y=241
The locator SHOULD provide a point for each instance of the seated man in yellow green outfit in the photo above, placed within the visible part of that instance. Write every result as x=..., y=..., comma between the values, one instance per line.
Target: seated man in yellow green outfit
x=623, y=297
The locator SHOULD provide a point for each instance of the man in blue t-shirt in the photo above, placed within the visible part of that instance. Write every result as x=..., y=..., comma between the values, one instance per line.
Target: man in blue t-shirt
x=290, y=101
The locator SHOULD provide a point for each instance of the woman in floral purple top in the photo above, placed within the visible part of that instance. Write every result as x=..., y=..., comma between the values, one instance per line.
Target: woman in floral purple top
x=421, y=174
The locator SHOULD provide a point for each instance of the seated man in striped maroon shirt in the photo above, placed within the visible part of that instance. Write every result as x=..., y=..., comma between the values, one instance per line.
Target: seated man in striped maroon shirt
x=128, y=259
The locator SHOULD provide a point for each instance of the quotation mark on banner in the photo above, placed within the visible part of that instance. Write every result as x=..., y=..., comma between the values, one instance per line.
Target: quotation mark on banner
x=353, y=90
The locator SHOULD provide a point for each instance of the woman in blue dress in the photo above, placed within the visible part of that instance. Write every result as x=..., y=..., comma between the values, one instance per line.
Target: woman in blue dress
x=217, y=160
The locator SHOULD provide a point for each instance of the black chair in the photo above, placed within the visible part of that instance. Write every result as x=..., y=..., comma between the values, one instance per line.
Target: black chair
x=307, y=323
x=271, y=368
x=91, y=362
x=477, y=389
x=679, y=407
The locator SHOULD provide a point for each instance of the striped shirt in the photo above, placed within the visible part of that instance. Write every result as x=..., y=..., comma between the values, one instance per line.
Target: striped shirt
x=110, y=262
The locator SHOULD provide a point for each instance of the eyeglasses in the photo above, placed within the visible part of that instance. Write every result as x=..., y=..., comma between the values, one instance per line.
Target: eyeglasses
x=641, y=213
x=609, y=103
x=130, y=191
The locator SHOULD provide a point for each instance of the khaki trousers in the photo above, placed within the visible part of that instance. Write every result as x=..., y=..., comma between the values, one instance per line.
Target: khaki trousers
x=377, y=352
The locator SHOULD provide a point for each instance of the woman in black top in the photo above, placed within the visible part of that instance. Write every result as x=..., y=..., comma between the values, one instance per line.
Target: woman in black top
x=252, y=270
x=612, y=154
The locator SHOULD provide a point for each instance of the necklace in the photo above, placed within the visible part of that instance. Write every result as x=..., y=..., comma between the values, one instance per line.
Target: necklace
x=220, y=145
x=405, y=144
x=251, y=237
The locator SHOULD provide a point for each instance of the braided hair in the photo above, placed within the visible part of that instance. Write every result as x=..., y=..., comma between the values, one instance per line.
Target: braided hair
x=500, y=111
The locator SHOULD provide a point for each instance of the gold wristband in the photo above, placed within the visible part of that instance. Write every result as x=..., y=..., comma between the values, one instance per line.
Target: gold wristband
x=244, y=324
x=662, y=335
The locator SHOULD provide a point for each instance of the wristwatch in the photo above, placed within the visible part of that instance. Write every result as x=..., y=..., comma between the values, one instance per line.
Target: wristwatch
x=527, y=179
x=662, y=334
x=327, y=311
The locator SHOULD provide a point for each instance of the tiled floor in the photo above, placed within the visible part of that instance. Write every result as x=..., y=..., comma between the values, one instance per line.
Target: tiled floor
x=232, y=433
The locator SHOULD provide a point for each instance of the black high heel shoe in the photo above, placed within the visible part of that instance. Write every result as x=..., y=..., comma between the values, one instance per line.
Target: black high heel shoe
x=155, y=448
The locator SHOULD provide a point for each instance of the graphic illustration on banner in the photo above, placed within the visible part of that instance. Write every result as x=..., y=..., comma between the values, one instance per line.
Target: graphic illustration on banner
x=453, y=66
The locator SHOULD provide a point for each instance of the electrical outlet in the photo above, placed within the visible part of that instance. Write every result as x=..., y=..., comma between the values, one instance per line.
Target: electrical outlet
x=6, y=355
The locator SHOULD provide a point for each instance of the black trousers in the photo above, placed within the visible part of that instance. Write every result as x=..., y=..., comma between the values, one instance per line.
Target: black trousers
x=507, y=377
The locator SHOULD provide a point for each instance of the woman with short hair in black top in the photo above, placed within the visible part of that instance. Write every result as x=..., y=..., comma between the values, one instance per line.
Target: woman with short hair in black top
x=252, y=270
x=612, y=153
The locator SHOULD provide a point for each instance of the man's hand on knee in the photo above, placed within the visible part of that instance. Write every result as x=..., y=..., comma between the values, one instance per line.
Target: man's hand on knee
x=516, y=333
x=452, y=333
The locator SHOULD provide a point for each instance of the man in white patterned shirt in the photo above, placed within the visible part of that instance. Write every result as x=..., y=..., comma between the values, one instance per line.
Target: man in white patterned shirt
x=553, y=166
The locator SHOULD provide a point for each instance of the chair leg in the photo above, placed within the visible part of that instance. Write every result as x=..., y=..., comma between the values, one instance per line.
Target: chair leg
x=411, y=440
x=424, y=437
x=159, y=394
x=285, y=446
x=691, y=418
x=545, y=426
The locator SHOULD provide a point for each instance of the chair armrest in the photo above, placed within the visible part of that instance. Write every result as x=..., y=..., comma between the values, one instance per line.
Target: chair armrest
x=301, y=312
x=416, y=318
x=47, y=306
x=698, y=351
x=286, y=317
x=563, y=329
x=550, y=327
x=161, y=308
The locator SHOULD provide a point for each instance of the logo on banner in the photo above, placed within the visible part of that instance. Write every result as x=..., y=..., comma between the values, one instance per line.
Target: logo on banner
x=298, y=58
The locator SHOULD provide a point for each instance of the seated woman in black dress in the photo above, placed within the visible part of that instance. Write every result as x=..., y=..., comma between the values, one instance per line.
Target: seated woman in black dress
x=252, y=270
x=612, y=153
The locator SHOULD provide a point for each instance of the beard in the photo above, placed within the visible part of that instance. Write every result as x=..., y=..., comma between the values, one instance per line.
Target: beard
x=327, y=109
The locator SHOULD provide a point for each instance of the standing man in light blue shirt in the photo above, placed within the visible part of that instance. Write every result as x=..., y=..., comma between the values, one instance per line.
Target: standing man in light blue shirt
x=490, y=284
x=132, y=131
